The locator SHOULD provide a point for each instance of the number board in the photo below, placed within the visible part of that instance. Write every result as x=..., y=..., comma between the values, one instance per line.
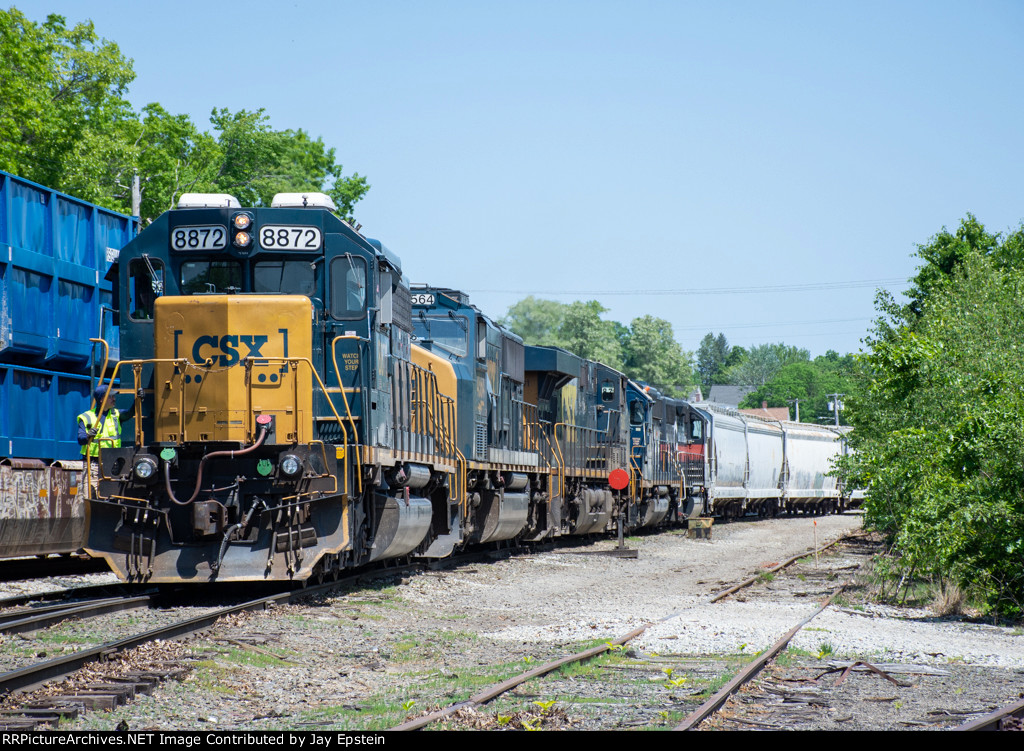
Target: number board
x=422, y=298
x=206, y=237
x=279, y=237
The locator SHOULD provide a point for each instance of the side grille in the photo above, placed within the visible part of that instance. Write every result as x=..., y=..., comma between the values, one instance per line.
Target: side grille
x=402, y=308
x=480, y=442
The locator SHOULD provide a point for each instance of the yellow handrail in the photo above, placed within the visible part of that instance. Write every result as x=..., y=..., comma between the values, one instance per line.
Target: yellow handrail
x=344, y=434
x=561, y=459
x=348, y=409
x=103, y=403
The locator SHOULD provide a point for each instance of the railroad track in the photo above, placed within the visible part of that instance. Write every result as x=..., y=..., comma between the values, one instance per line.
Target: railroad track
x=23, y=620
x=17, y=569
x=1010, y=717
x=359, y=664
x=116, y=690
x=706, y=710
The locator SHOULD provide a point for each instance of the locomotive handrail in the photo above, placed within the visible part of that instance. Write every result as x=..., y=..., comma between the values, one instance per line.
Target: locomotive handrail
x=447, y=403
x=560, y=459
x=344, y=398
x=575, y=448
x=177, y=362
x=88, y=455
x=106, y=355
x=437, y=418
x=250, y=361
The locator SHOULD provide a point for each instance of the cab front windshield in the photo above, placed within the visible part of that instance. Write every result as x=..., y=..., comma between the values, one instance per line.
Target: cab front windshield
x=446, y=332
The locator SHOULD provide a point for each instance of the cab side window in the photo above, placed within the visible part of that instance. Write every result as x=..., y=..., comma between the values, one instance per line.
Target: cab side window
x=145, y=284
x=348, y=287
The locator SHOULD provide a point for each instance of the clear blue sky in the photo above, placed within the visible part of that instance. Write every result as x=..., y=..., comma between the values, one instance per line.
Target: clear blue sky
x=599, y=147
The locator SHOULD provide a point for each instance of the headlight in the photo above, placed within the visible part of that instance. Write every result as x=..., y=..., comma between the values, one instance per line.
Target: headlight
x=243, y=239
x=145, y=468
x=291, y=465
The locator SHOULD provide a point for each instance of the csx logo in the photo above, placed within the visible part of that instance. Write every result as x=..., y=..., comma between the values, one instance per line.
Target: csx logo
x=228, y=349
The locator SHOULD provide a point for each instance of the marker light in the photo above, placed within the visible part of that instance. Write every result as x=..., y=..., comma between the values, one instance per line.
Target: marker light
x=242, y=221
x=242, y=240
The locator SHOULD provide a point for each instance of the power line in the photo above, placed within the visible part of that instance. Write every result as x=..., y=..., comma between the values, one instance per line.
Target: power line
x=763, y=289
x=720, y=327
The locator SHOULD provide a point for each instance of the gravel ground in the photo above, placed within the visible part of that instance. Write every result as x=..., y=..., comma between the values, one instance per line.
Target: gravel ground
x=368, y=658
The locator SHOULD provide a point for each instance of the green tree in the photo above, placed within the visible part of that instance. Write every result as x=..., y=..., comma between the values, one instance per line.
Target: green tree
x=762, y=362
x=537, y=321
x=64, y=121
x=712, y=360
x=172, y=157
x=811, y=382
x=584, y=333
x=939, y=430
x=652, y=355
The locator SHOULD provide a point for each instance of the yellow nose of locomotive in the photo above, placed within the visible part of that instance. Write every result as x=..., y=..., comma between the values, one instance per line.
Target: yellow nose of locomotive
x=223, y=359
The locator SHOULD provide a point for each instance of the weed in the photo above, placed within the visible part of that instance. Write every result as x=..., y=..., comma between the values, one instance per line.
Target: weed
x=801, y=577
x=407, y=705
x=948, y=600
x=545, y=706
x=824, y=650
x=765, y=576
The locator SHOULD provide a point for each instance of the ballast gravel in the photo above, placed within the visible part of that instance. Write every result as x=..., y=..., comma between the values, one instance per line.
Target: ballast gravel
x=371, y=656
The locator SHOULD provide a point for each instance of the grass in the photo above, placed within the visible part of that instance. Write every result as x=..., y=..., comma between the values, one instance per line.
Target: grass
x=765, y=577
x=241, y=656
x=429, y=646
x=64, y=637
x=409, y=694
x=791, y=655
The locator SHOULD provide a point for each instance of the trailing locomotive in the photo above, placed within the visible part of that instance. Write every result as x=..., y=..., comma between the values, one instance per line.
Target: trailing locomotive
x=304, y=410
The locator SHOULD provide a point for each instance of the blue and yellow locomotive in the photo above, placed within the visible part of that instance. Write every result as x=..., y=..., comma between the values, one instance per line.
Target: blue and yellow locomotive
x=285, y=432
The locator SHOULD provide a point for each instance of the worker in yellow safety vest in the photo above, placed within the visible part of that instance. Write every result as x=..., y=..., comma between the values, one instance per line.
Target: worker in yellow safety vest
x=101, y=431
x=96, y=431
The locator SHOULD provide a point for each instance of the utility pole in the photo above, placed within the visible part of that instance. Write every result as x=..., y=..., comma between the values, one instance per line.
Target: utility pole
x=835, y=405
x=797, y=403
x=136, y=196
